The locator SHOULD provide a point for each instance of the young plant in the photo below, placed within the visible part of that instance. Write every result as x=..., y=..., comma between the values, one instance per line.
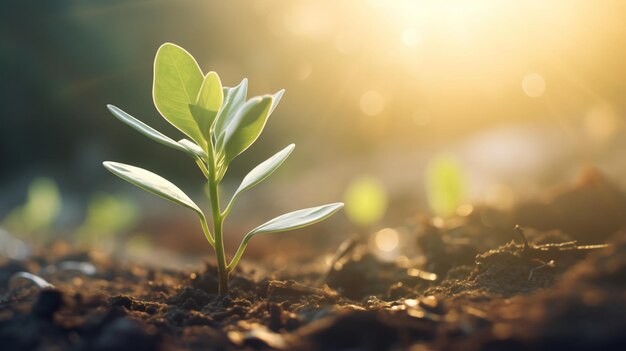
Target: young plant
x=221, y=125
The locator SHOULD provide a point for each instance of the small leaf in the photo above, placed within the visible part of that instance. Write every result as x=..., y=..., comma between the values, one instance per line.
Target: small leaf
x=244, y=128
x=152, y=183
x=297, y=219
x=147, y=130
x=263, y=170
x=233, y=99
x=221, y=170
x=177, y=82
x=211, y=95
x=193, y=148
x=276, y=99
x=208, y=103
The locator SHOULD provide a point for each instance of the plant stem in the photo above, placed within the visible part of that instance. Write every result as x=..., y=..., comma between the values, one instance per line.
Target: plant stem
x=218, y=220
x=222, y=270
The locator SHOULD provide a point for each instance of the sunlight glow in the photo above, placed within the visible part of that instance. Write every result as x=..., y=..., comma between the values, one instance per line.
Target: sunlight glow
x=304, y=71
x=421, y=118
x=411, y=38
x=346, y=42
x=308, y=20
x=601, y=123
x=500, y=196
x=463, y=61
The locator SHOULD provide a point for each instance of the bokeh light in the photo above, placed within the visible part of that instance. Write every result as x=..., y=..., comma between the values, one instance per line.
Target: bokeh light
x=372, y=103
x=386, y=239
x=533, y=85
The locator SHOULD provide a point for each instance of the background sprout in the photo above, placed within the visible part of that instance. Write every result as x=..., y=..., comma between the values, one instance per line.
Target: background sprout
x=37, y=216
x=107, y=217
x=366, y=201
x=445, y=185
x=221, y=124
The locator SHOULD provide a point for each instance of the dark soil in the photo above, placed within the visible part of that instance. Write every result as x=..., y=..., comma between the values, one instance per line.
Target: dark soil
x=478, y=287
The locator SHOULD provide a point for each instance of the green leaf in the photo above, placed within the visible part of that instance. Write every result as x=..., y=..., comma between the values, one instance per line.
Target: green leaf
x=147, y=130
x=152, y=183
x=289, y=221
x=177, y=82
x=233, y=99
x=211, y=94
x=297, y=219
x=193, y=148
x=204, y=118
x=244, y=128
x=276, y=99
x=263, y=170
x=208, y=103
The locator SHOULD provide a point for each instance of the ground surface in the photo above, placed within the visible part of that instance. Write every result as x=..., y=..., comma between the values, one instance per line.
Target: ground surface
x=476, y=286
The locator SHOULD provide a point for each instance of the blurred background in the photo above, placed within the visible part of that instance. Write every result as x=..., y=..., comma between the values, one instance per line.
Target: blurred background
x=398, y=108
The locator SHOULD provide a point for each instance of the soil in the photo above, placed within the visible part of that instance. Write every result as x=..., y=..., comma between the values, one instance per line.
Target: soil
x=476, y=286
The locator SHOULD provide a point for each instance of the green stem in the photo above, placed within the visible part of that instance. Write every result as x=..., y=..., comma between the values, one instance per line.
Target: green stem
x=218, y=220
x=242, y=247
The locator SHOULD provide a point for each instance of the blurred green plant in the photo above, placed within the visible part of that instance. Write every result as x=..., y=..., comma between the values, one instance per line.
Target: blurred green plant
x=107, y=216
x=221, y=125
x=445, y=185
x=366, y=200
x=37, y=215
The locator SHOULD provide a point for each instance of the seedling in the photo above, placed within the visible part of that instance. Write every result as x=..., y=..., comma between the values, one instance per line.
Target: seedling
x=221, y=125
